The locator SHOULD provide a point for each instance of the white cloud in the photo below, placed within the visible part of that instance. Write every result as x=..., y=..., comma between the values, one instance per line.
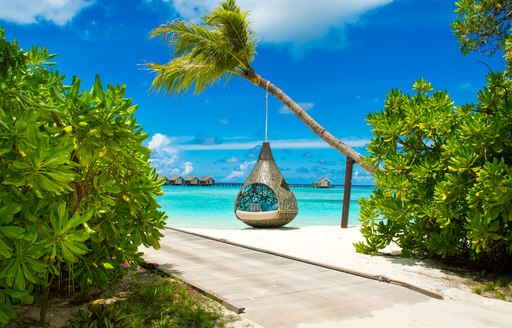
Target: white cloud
x=159, y=140
x=240, y=172
x=161, y=145
x=282, y=21
x=164, y=156
x=188, y=168
x=289, y=21
x=306, y=106
x=59, y=12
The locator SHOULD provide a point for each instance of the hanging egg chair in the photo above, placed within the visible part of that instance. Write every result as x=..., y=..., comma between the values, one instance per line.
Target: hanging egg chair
x=265, y=199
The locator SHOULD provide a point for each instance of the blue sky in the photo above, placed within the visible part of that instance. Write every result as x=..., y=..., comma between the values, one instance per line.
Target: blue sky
x=338, y=58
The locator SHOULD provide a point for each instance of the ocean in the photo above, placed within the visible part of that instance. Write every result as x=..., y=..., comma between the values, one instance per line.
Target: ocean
x=212, y=207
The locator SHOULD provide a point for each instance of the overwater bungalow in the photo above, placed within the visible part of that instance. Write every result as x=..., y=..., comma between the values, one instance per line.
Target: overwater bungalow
x=192, y=181
x=207, y=181
x=322, y=183
x=175, y=180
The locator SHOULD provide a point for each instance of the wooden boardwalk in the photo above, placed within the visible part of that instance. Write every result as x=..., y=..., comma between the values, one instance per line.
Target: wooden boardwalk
x=276, y=291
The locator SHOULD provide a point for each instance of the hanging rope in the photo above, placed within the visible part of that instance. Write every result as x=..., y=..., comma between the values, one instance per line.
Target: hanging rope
x=266, y=114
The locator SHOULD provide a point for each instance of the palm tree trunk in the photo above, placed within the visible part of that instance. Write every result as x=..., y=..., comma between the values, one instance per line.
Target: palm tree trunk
x=307, y=119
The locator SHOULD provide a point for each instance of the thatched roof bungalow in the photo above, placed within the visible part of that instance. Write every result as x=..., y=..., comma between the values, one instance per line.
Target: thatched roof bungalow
x=322, y=183
x=207, y=181
x=176, y=180
x=192, y=181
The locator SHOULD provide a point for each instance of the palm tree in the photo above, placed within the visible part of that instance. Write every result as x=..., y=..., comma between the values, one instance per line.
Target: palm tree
x=223, y=48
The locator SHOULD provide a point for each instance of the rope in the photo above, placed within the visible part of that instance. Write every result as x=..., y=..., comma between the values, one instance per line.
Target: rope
x=266, y=113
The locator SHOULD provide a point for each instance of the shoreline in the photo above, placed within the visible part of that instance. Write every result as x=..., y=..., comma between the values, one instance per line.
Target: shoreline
x=333, y=246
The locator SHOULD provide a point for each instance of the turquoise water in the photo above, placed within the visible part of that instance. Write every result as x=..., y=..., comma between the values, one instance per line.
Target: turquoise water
x=213, y=207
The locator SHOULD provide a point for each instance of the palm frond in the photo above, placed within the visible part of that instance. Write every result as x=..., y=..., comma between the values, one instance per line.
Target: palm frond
x=224, y=46
x=234, y=27
x=180, y=75
x=230, y=5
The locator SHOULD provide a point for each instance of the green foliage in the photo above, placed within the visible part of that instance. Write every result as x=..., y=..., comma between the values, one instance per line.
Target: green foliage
x=77, y=192
x=482, y=25
x=445, y=189
x=152, y=301
x=446, y=186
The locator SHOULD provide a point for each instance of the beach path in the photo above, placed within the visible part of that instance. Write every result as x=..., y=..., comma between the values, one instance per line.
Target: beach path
x=280, y=292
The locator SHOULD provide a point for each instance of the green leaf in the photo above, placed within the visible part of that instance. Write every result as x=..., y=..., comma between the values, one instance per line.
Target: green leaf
x=8, y=211
x=19, y=278
x=79, y=236
x=108, y=266
x=67, y=254
x=78, y=219
x=74, y=89
x=77, y=248
x=28, y=274
x=21, y=295
x=5, y=250
x=32, y=133
x=10, y=270
x=97, y=90
x=49, y=185
x=63, y=178
x=7, y=312
x=36, y=265
x=12, y=231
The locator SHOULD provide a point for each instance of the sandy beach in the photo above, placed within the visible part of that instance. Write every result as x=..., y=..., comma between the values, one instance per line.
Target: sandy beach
x=333, y=246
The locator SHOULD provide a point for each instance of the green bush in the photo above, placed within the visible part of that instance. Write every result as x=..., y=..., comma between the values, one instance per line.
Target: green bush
x=445, y=189
x=77, y=192
x=446, y=185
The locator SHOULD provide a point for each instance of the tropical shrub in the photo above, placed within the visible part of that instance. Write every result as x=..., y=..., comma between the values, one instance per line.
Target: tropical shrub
x=483, y=26
x=77, y=192
x=445, y=188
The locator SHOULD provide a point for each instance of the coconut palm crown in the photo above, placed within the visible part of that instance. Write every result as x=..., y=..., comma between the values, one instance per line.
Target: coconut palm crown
x=220, y=49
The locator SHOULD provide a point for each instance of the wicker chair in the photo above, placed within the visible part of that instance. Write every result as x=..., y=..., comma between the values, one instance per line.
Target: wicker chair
x=265, y=200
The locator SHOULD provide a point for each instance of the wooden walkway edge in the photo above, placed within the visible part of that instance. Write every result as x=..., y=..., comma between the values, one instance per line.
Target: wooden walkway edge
x=323, y=265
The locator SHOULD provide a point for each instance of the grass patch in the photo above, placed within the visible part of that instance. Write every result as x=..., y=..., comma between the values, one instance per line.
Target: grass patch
x=500, y=289
x=478, y=290
x=150, y=300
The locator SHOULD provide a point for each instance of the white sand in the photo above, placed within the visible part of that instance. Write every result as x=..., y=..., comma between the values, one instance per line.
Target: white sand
x=334, y=246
